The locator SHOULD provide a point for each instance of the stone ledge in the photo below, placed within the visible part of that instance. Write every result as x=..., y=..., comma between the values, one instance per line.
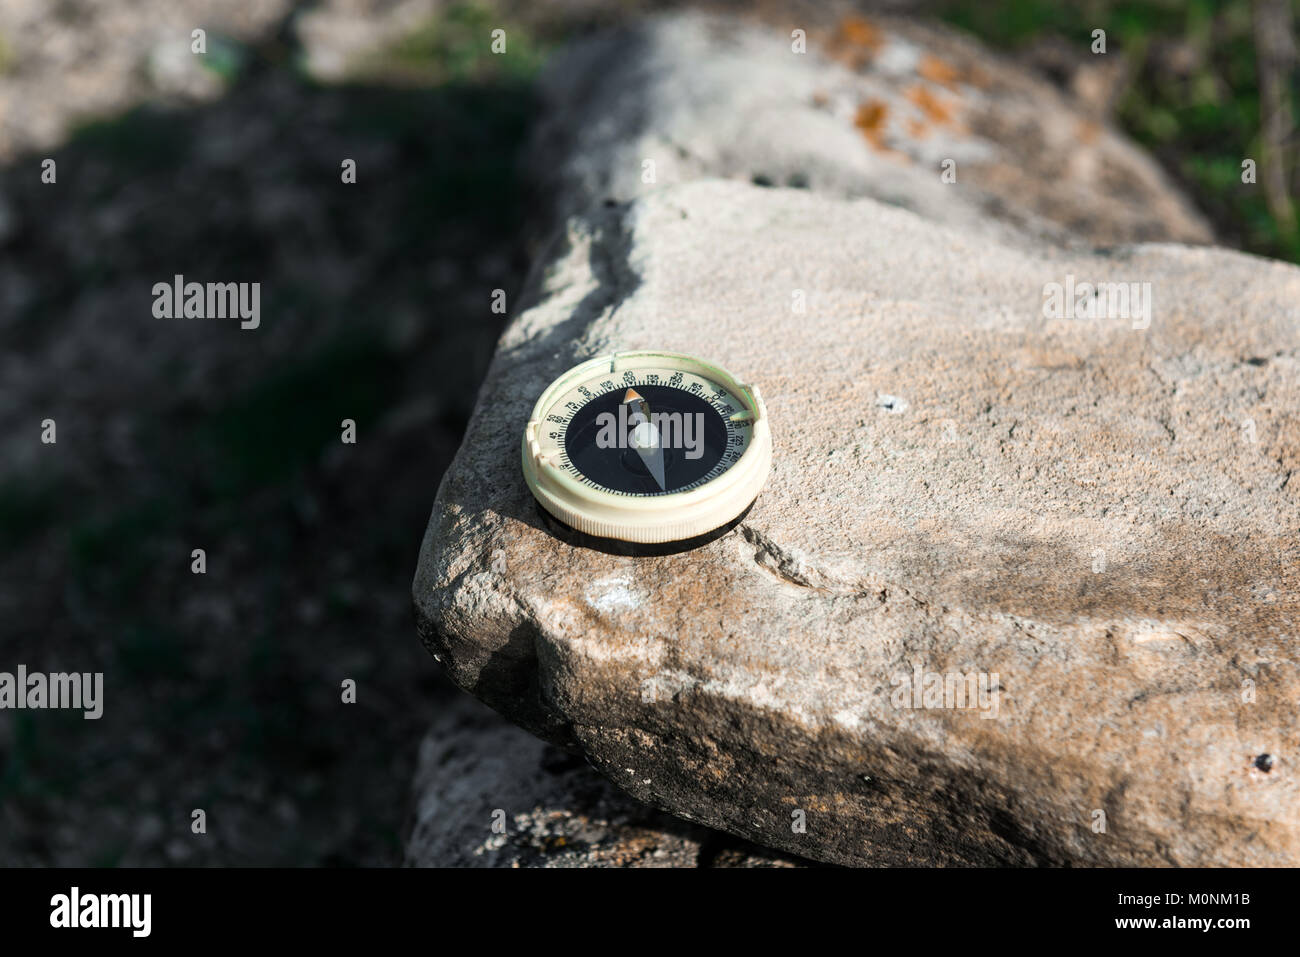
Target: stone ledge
x=957, y=534
x=1096, y=518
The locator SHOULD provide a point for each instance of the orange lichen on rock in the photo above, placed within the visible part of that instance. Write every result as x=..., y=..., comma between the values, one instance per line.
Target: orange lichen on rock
x=870, y=119
x=934, y=108
x=938, y=71
x=860, y=32
x=855, y=41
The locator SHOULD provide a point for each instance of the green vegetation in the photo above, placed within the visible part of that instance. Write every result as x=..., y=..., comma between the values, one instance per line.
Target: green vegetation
x=456, y=45
x=233, y=678
x=1192, y=93
x=226, y=57
x=467, y=136
x=27, y=507
x=143, y=140
x=247, y=442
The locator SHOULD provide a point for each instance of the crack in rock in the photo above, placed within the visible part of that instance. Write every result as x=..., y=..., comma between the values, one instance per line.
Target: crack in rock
x=792, y=568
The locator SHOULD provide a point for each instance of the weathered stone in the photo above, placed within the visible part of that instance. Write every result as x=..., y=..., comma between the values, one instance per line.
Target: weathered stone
x=119, y=54
x=1100, y=519
x=873, y=108
x=490, y=795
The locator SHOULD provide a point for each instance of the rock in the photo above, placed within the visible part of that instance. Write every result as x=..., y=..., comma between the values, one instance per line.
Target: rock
x=873, y=108
x=174, y=71
x=1103, y=518
x=117, y=55
x=553, y=810
x=1096, y=520
x=336, y=34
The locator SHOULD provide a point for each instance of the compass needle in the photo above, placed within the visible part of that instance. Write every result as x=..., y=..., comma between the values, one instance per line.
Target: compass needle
x=645, y=438
x=647, y=447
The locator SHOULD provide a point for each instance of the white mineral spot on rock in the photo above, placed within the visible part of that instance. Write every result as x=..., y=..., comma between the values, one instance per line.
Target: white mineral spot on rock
x=612, y=595
x=898, y=58
x=848, y=719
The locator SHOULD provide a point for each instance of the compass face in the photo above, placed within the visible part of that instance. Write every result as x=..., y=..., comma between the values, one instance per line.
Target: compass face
x=646, y=432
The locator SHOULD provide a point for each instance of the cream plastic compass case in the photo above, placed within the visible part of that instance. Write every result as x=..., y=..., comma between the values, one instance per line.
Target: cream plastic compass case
x=647, y=447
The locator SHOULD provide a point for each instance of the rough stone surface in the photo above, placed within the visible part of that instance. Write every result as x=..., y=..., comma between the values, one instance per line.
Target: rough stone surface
x=476, y=770
x=873, y=108
x=1105, y=518
x=55, y=77
x=52, y=79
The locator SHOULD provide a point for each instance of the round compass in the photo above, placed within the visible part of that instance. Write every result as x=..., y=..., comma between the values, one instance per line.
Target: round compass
x=647, y=447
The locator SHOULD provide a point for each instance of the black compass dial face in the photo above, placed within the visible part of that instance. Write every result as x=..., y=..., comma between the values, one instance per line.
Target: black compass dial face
x=648, y=432
x=614, y=444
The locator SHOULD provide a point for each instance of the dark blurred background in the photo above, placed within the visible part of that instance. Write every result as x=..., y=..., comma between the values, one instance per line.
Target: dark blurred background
x=223, y=690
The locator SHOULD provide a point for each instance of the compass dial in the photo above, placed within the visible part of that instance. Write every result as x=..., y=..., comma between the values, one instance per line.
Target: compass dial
x=647, y=447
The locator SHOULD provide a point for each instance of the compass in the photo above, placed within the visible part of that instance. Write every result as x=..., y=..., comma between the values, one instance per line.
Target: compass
x=647, y=447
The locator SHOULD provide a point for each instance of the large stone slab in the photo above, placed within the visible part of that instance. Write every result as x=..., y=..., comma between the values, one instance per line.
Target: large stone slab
x=1097, y=517
x=1104, y=517
x=488, y=794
